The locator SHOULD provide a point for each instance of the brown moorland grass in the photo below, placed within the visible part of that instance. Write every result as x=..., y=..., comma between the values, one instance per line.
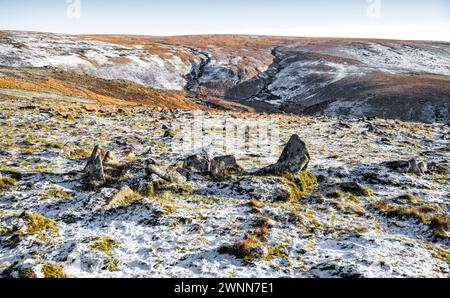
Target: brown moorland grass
x=120, y=60
x=115, y=92
x=438, y=222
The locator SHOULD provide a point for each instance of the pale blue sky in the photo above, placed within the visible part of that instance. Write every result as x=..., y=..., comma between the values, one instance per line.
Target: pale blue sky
x=403, y=19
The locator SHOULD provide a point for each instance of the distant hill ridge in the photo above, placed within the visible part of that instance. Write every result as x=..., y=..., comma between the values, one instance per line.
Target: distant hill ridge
x=406, y=80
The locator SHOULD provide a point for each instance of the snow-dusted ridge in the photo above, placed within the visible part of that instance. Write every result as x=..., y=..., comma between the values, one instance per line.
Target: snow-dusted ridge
x=291, y=75
x=400, y=58
x=101, y=59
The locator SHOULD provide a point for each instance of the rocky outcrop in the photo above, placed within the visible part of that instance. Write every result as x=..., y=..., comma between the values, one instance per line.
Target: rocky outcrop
x=197, y=163
x=355, y=188
x=223, y=166
x=101, y=166
x=94, y=171
x=295, y=158
x=169, y=174
x=411, y=167
x=418, y=168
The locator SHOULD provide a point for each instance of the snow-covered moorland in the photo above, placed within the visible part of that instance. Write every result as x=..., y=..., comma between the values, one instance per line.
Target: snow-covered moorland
x=361, y=209
x=102, y=175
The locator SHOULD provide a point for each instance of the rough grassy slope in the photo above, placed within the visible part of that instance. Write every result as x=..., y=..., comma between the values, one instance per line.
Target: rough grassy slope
x=51, y=80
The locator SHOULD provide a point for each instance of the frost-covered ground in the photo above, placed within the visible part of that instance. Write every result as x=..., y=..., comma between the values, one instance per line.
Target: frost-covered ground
x=51, y=222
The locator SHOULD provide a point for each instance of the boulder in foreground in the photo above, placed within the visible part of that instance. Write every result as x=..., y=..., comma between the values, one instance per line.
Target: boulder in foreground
x=295, y=158
x=94, y=172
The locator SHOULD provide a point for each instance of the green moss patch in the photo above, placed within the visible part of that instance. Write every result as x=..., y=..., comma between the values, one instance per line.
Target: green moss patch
x=300, y=184
x=276, y=251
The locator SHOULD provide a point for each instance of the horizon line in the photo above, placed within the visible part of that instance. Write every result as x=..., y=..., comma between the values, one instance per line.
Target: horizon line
x=226, y=34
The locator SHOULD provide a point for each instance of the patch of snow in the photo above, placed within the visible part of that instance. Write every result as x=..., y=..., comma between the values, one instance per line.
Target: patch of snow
x=303, y=78
x=400, y=58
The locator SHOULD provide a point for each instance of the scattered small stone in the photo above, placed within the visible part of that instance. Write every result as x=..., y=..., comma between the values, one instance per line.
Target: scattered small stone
x=386, y=141
x=110, y=159
x=371, y=128
x=396, y=165
x=125, y=197
x=129, y=155
x=73, y=151
x=169, y=134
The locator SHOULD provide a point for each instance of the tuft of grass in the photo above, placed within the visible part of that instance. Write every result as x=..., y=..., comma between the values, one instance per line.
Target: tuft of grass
x=147, y=190
x=368, y=192
x=263, y=228
x=201, y=217
x=440, y=224
x=361, y=229
x=442, y=254
x=79, y=154
x=104, y=244
x=166, y=200
x=353, y=199
x=7, y=183
x=56, y=193
x=351, y=205
x=113, y=265
x=27, y=273
x=51, y=270
x=382, y=206
x=39, y=225
x=335, y=194
x=158, y=144
x=356, y=189
x=255, y=205
x=410, y=198
x=247, y=249
x=276, y=251
x=394, y=210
